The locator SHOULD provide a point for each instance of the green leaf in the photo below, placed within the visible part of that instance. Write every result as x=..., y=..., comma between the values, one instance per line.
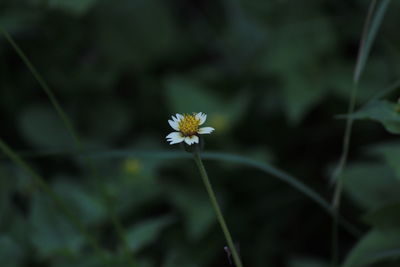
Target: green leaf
x=371, y=185
x=199, y=220
x=386, y=217
x=17, y=20
x=147, y=232
x=301, y=95
x=381, y=111
x=7, y=186
x=86, y=207
x=306, y=262
x=186, y=96
x=104, y=113
x=51, y=233
x=295, y=55
x=375, y=246
x=43, y=128
x=134, y=192
x=76, y=7
x=391, y=153
x=242, y=38
x=11, y=255
x=146, y=32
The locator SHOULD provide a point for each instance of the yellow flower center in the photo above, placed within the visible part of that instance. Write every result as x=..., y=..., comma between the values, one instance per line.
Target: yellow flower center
x=189, y=125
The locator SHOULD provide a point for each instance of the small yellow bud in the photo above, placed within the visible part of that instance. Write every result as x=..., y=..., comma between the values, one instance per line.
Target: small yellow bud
x=132, y=166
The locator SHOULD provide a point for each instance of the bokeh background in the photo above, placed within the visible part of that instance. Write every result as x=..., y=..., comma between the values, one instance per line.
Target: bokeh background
x=272, y=77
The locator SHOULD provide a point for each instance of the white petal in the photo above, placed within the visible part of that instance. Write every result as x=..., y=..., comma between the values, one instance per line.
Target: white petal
x=206, y=130
x=179, y=117
x=175, y=137
x=174, y=125
x=191, y=139
x=201, y=117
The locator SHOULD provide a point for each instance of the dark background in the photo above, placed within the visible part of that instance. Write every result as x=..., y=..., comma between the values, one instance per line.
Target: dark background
x=271, y=76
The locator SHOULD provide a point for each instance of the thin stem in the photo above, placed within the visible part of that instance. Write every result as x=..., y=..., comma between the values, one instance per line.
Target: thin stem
x=337, y=177
x=364, y=46
x=335, y=240
x=44, y=86
x=345, y=149
x=214, y=202
x=364, y=49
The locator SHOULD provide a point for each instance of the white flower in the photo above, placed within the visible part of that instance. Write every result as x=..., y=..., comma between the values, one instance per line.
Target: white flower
x=187, y=127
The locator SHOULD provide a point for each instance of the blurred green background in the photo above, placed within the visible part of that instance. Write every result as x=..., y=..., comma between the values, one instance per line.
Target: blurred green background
x=271, y=75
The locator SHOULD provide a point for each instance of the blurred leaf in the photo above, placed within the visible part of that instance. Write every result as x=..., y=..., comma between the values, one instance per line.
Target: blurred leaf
x=371, y=185
x=341, y=83
x=175, y=258
x=305, y=262
x=86, y=207
x=146, y=32
x=76, y=7
x=43, y=128
x=297, y=45
x=134, y=194
x=51, y=233
x=375, y=246
x=147, y=232
x=242, y=38
x=196, y=208
x=117, y=259
x=137, y=169
x=83, y=261
x=181, y=253
x=381, y=111
x=6, y=187
x=301, y=93
x=386, y=217
x=391, y=154
x=107, y=119
x=15, y=20
x=18, y=229
x=11, y=255
x=186, y=96
x=294, y=54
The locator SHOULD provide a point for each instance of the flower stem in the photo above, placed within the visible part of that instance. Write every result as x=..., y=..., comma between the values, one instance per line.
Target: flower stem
x=217, y=209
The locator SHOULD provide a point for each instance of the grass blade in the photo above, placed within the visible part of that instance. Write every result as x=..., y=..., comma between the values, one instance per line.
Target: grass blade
x=44, y=85
x=371, y=26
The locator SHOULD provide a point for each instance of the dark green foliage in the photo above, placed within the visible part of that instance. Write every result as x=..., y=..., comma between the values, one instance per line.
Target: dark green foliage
x=272, y=77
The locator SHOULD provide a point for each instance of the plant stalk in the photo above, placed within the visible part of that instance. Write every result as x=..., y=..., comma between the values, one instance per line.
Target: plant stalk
x=214, y=202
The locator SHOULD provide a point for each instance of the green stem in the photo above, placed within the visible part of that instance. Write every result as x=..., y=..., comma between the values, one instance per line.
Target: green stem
x=335, y=240
x=214, y=202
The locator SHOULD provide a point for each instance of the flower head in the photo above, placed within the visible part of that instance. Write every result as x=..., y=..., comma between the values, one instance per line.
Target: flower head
x=187, y=127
